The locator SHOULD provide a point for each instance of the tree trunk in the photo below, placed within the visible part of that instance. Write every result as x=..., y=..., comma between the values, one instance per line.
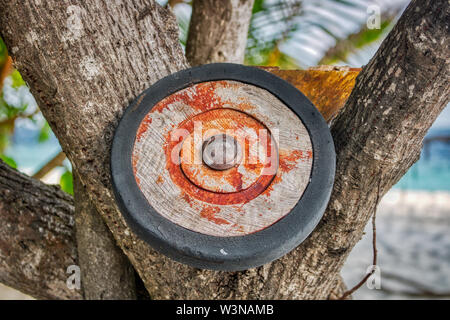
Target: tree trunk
x=37, y=237
x=84, y=76
x=218, y=31
x=106, y=273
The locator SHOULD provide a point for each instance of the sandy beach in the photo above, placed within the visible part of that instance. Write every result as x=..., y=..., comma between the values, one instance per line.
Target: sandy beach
x=413, y=242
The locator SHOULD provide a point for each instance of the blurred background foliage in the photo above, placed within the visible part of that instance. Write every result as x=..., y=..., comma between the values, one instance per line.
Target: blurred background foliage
x=26, y=140
x=290, y=34
x=295, y=34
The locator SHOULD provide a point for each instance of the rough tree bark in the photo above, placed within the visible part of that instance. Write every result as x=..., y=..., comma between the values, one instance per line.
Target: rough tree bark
x=218, y=31
x=38, y=242
x=83, y=77
x=106, y=272
x=37, y=236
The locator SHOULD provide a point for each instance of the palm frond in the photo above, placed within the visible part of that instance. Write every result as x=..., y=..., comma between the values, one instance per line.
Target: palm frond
x=281, y=26
x=364, y=37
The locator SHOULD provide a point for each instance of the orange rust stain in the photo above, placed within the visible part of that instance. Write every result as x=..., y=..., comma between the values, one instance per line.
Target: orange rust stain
x=134, y=161
x=179, y=175
x=236, y=180
x=187, y=199
x=188, y=187
x=159, y=180
x=200, y=97
x=327, y=87
x=229, y=121
x=143, y=127
x=275, y=181
x=288, y=160
x=209, y=213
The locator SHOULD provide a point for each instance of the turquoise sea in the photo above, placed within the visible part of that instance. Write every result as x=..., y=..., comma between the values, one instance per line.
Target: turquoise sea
x=432, y=171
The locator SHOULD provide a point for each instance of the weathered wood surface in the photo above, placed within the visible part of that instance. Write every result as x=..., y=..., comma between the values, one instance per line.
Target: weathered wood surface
x=106, y=273
x=327, y=87
x=230, y=107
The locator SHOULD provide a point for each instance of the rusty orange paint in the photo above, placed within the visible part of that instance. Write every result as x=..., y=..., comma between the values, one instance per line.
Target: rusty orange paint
x=327, y=87
x=289, y=159
x=159, y=180
x=134, y=161
x=143, y=127
x=233, y=121
x=179, y=178
x=209, y=213
x=287, y=162
x=188, y=199
x=201, y=97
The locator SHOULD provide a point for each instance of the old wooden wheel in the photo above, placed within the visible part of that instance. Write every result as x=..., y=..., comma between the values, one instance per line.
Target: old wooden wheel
x=222, y=166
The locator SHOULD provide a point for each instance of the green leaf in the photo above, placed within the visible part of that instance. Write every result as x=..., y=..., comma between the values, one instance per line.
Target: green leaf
x=258, y=6
x=9, y=111
x=17, y=80
x=66, y=182
x=45, y=132
x=3, y=53
x=9, y=161
x=358, y=40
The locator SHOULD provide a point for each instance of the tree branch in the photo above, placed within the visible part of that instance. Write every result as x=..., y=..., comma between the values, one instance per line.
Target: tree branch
x=218, y=31
x=37, y=243
x=49, y=166
x=349, y=292
x=106, y=272
x=37, y=238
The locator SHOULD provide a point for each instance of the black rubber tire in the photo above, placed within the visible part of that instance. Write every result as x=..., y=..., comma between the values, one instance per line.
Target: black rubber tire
x=205, y=251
